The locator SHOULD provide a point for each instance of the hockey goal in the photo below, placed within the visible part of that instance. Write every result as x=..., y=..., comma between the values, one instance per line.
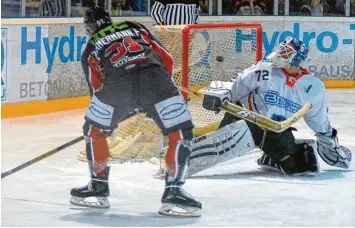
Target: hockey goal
x=202, y=53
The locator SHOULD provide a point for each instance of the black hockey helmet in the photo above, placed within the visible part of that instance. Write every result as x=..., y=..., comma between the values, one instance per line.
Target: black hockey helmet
x=96, y=18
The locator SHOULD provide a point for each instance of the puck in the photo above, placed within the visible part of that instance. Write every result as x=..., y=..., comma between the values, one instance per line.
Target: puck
x=219, y=58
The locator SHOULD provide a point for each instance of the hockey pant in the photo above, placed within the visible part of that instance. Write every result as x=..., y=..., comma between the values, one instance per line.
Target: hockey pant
x=281, y=147
x=149, y=90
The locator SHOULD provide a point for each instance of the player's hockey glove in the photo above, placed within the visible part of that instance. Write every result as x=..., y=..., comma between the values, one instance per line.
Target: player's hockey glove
x=215, y=94
x=331, y=152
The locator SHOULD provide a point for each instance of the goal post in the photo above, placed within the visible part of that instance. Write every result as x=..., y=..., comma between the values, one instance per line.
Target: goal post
x=202, y=53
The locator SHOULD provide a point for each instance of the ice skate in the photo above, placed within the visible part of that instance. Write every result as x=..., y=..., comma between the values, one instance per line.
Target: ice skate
x=265, y=162
x=94, y=194
x=178, y=203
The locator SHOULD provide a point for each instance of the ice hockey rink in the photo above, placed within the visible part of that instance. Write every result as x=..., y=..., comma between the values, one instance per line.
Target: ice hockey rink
x=236, y=193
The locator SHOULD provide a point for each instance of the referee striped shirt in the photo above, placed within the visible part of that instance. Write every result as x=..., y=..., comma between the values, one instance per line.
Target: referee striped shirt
x=175, y=12
x=54, y=8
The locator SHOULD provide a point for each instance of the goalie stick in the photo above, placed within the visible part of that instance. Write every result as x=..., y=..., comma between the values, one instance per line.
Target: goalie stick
x=263, y=121
x=256, y=118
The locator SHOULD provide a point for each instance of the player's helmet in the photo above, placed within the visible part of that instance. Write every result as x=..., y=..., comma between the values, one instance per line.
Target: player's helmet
x=290, y=52
x=96, y=18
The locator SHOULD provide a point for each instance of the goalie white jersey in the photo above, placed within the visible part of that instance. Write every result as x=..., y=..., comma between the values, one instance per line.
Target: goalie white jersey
x=273, y=93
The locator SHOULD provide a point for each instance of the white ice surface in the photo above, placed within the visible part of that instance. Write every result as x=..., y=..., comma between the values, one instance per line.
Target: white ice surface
x=234, y=194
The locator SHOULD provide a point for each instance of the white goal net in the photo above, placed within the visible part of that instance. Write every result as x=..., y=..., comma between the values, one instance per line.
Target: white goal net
x=202, y=53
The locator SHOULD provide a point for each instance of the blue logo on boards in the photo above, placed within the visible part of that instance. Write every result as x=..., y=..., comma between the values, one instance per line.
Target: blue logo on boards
x=3, y=63
x=274, y=98
x=65, y=48
x=326, y=41
x=203, y=52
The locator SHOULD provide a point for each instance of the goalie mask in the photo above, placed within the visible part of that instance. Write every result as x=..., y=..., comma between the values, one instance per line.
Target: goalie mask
x=95, y=19
x=289, y=53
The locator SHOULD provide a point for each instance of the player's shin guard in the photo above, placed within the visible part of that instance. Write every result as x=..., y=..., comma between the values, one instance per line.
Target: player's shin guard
x=177, y=159
x=177, y=156
x=97, y=150
x=226, y=143
x=97, y=155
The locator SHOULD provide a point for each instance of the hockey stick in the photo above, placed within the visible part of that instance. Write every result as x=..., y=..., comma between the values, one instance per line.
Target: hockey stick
x=41, y=157
x=263, y=121
x=51, y=152
x=256, y=118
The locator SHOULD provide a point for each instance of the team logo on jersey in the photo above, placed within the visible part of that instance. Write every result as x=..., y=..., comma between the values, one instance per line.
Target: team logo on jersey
x=3, y=63
x=274, y=98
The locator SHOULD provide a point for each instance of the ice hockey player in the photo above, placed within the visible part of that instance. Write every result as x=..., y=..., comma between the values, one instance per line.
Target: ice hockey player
x=128, y=69
x=277, y=87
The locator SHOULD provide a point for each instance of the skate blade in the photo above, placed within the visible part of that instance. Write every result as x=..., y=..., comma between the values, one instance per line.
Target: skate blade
x=269, y=169
x=102, y=202
x=279, y=172
x=306, y=174
x=169, y=209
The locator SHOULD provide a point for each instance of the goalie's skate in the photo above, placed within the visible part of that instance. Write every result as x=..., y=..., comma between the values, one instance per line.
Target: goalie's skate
x=177, y=203
x=92, y=195
x=265, y=162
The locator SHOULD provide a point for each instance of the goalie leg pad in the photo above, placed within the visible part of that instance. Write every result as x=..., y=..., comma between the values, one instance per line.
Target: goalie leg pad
x=310, y=156
x=303, y=162
x=226, y=143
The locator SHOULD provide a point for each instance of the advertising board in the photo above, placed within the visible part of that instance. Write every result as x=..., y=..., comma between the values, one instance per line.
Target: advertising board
x=42, y=61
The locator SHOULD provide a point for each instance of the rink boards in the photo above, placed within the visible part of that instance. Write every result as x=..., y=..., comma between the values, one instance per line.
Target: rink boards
x=41, y=70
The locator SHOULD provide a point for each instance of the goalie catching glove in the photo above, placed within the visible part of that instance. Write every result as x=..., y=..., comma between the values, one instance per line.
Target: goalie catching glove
x=331, y=152
x=217, y=93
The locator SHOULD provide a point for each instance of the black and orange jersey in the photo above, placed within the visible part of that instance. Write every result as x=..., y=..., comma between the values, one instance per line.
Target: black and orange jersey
x=120, y=47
